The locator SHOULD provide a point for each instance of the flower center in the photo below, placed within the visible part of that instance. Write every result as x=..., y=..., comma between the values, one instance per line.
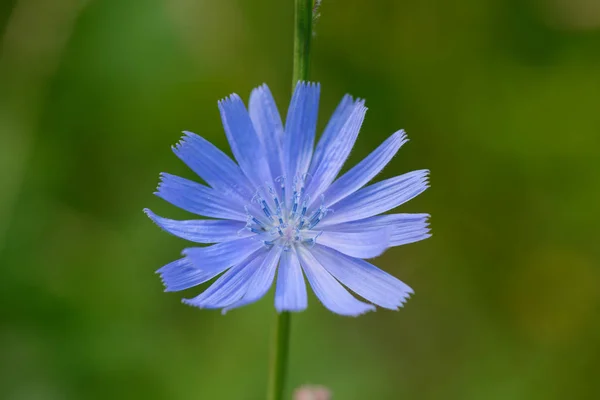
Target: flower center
x=283, y=216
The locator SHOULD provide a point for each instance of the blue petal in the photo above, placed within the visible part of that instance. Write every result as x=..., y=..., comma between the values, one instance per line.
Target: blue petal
x=261, y=281
x=366, y=170
x=378, y=198
x=328, y=290
x=199, y=199
x=268, y=126
x=400, y=238
x=334, y=148
x=367, y=243
x=363, y=278
x=212, y=165
x=181, y=275
x=290, y=294
x=405, y=228
x=224, y=254
x=335, y=123
x=230, y=287
x=244, y=142
x=201, y=230
x=300, y=126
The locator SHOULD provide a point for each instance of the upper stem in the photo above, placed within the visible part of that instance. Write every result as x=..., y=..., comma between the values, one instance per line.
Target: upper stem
x=303, y=20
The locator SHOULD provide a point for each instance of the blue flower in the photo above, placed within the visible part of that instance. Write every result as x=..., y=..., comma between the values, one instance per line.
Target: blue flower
x=280, y=213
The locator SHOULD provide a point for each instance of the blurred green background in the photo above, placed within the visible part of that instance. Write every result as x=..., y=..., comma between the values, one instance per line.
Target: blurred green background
x=500, y=100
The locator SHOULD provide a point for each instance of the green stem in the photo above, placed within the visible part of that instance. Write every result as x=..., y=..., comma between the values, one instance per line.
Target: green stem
x=302, y=37
x=279, y=355
x=279, y=352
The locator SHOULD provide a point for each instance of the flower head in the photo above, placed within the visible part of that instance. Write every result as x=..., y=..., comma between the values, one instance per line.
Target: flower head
x=280, y=213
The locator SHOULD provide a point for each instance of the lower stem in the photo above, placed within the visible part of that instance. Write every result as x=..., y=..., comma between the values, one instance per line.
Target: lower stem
x=279, y=356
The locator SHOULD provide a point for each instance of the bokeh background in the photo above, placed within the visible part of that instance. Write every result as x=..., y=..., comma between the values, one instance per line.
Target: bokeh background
x=500, y=100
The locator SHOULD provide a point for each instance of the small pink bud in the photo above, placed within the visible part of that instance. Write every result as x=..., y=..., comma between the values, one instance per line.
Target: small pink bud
x=312, y=393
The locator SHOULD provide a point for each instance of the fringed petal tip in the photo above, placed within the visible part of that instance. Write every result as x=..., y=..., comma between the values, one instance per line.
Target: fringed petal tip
x=181, y=275
x=183, y=141
x=307, y=84
x=154, y=218
x=401, y=136
x=260, y=89
x=426, y=177
x=407, y=296
x=346, y=100
x=200, y=304
x=158, y=185
x=164, y=179
x=401, y=302
x=188, y=302
x=166, y=287
x=233, y=97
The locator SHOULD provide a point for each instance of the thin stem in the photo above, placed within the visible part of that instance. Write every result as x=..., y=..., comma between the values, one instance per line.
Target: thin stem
x=302, y=36
x=279, y=356
x=279, y=352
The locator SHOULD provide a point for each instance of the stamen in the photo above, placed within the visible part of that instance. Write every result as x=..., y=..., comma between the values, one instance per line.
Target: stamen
x=312, y=241
x=259, y=222
x=319, y=214
x=263, y=203
x=266, y=209
x=281, y=181
x=302, y=222
x=251, y=218
x=306, y=175
x=275, y=199
x=315, y=219
x=294, y=205
x=303, y=184
x=278, y=212
x=287, y=218
x=257, y=197
x=304, y=207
